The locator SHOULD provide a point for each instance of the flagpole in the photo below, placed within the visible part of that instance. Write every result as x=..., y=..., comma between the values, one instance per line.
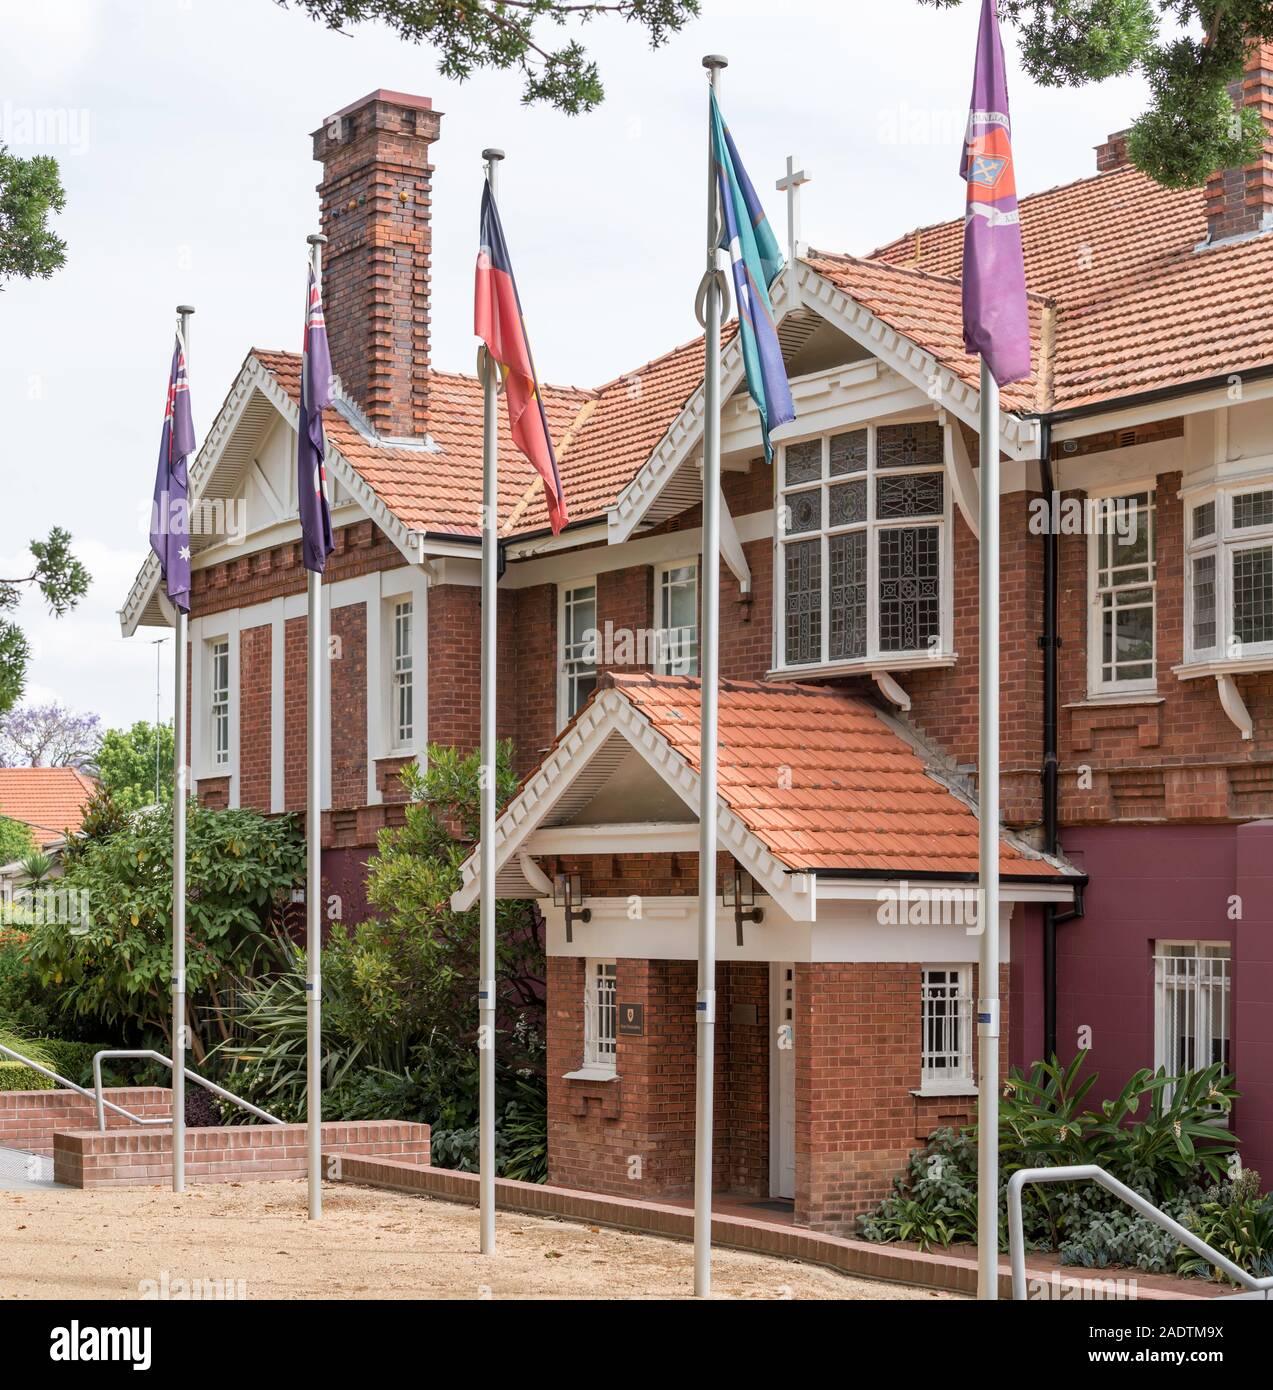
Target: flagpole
x=179, y=789
x=486, y=949
x=709, y=670
x=988, y=789
x=314, y=863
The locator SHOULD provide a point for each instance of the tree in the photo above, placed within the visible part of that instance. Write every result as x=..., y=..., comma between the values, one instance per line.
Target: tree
x=30, y=189
x=126, y=764
x=48, y=736
x=501, y=34
x=16, y=840
x=58, y=575
x=1190, y=128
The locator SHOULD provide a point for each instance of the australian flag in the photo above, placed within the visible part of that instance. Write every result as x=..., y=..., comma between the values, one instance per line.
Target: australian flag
x=497, y=320
x=311, y=447
x=170, y=513
x=757, y=262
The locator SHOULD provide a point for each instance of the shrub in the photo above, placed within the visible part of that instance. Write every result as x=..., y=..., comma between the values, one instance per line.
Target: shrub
x=16, y=1077
x=16, y=840
x=1236, y=1219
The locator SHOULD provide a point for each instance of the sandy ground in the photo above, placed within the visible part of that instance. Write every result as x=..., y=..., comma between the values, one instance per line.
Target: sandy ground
x=65, y=1243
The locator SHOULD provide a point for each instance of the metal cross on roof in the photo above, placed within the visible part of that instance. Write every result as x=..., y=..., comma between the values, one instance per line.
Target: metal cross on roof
x=790, y=184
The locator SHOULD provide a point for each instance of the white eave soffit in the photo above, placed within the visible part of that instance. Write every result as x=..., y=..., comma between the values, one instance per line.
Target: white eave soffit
x=1019, y=437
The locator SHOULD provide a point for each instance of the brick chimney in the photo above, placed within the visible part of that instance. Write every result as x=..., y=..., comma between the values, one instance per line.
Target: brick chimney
x=1240, y=201
x=1113, y=153
x=375, y=200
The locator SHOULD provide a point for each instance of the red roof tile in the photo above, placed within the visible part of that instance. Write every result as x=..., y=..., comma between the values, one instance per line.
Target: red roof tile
x=822, y=780
x=48, y=799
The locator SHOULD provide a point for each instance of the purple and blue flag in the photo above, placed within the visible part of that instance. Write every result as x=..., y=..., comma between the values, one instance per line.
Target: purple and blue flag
x=996, y=317
x=170, y=513
x=757, y=262
x=311, y=448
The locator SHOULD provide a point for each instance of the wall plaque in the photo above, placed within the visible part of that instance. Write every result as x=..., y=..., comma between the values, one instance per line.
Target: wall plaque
x=632, y=1020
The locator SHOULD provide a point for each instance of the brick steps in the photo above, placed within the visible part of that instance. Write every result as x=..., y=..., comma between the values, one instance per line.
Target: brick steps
x=143, y=1157
x=949, y=1272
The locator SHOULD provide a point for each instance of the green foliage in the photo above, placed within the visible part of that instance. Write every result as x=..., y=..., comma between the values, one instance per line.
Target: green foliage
x=16, y=840
x=241, y=869
x=58, y=575
x=16, y=1077
x=1236, y=1219
x=103, y=817
x=1189, y=128
x=1165, y=1148
x=126, y=764
x=30, y=189
x=36, y=868
x=485, y=34
x=23, y=1003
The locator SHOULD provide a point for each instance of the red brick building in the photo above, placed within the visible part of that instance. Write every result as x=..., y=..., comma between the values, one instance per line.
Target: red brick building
x=1136, y=653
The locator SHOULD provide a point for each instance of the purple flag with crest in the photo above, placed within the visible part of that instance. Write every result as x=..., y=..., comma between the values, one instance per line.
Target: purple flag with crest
x=996, y=319
x=311, y=471
x=170, y=511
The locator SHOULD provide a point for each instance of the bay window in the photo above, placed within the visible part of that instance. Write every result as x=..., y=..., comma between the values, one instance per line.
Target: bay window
x=1229, y=573
x=863, y=547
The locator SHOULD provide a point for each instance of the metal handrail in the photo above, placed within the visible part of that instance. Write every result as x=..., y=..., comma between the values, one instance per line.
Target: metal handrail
x=70, y=1085
x=167, y=1062
x=1089, y=1172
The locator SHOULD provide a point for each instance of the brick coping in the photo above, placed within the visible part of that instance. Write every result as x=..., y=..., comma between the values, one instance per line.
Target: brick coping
x=953, y=1273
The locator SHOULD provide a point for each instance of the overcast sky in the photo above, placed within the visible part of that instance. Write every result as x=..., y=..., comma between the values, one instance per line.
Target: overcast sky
x=189, y=178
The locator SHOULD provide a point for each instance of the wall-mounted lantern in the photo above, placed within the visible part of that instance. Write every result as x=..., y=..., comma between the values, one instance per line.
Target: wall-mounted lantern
x=740, y=894
x=568, y=894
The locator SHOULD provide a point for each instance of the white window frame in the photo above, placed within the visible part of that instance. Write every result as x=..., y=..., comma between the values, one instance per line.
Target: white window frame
x=874, y=659
x=1225, y=542
x=402, y=672
x=946, y=1080
x=670, y=641
x=1208, y=987
x=571, y=668
x=220, y=756
x=1097, y=683
x=601, y=1015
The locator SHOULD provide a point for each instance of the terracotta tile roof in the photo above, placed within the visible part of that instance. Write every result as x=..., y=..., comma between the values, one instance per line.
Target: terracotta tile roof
x=437, y=492
x=859, y=796
x=928, y=309
x=1138, y=308
x=49, y=799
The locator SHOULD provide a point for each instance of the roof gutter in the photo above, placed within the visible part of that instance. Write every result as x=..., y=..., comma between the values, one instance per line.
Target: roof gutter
x=1078, y=881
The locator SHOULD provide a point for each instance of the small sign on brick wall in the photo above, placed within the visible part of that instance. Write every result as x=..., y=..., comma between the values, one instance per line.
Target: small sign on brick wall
x=632, y=1020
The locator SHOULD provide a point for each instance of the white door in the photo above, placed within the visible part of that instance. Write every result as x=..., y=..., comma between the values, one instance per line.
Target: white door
x=782, y=1079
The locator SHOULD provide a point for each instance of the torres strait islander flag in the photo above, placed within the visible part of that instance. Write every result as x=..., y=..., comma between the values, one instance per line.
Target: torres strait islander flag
x=996, y=319
x=170, y=513
x=757, y=262
x=311, y=445
x=497, y=320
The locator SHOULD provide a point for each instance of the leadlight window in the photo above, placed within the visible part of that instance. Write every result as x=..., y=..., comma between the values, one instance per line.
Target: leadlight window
x=403, y=676
x=219, y=700
x=1124, y=572
x=862, y=534
x=578, y=648
x=1229, y=574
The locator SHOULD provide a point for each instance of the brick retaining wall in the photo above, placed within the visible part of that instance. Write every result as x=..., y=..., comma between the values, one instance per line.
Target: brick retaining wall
x=143, y=1157
x=28, y=1119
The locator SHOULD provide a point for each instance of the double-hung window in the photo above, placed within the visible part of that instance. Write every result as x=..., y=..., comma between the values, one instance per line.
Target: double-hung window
x=676, y=614
x=946, y=1029
x=577, y=648
x=1229, y=574
x=601, y=1014
x=863, y=547
x=1191, y=1004
x=219, y=699
x=402, y=676
x=1123, y=572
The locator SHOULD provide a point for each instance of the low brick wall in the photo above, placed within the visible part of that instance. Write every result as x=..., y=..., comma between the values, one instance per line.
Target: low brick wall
x=29, y=1119
x=143, y=1157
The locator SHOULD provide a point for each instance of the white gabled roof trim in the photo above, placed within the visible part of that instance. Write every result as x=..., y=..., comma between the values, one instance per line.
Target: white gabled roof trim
x=913, y=363
x=610, y=713
x=254, y=377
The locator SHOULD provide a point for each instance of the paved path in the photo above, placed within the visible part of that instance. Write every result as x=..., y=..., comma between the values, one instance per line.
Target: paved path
x=26, y=1172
